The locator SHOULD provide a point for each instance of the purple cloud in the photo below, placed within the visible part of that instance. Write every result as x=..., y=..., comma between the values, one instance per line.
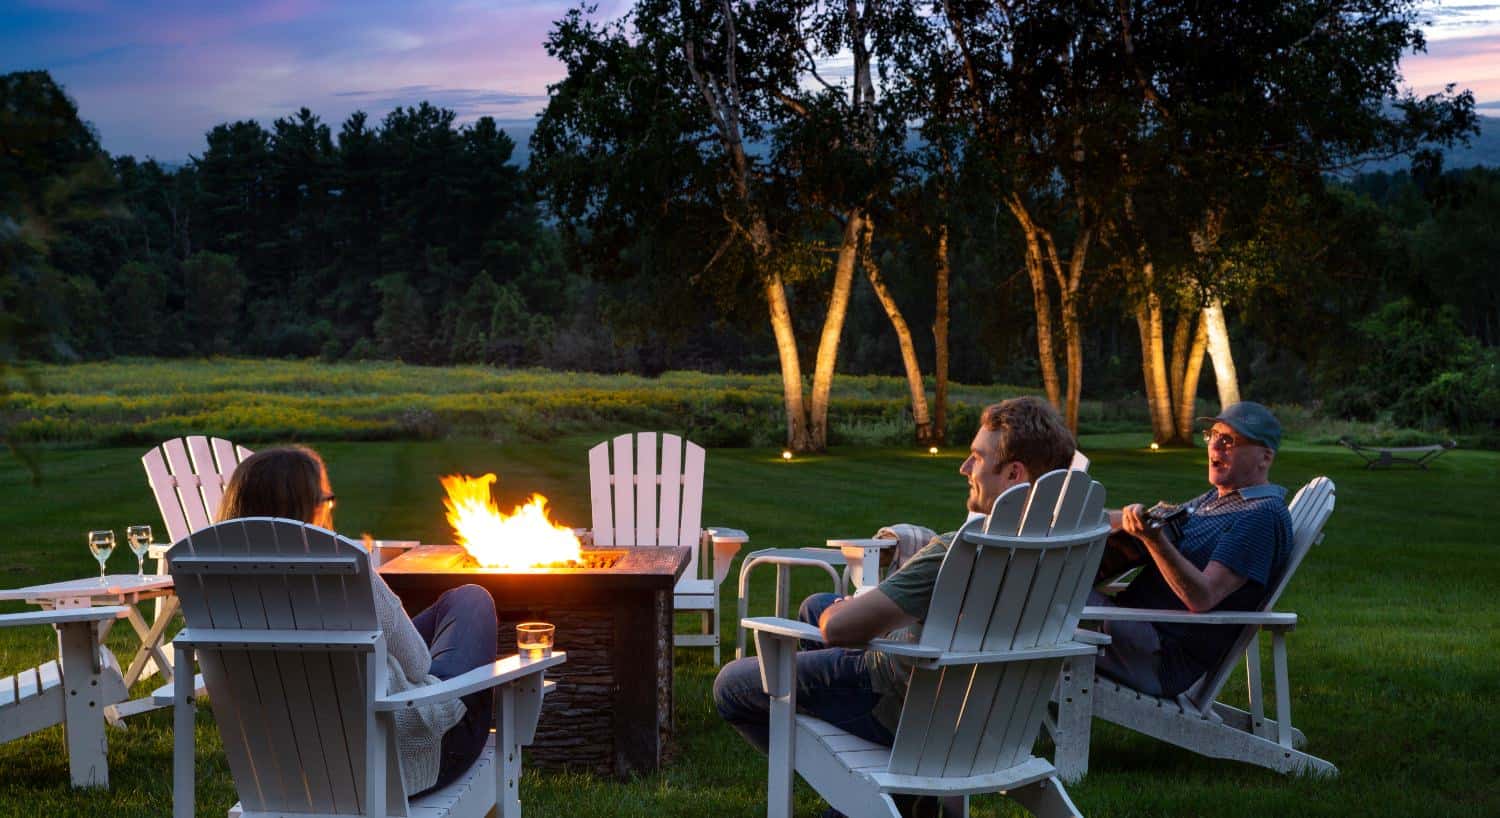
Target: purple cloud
x=155, y=75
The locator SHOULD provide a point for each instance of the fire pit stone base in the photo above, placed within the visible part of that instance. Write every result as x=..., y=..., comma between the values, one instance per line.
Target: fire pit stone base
x=611, y=711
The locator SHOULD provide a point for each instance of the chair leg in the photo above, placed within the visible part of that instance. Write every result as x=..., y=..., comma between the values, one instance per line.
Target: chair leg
x=183, y=794
x=507, y=754
x=778, y=656
x=712, y=620
x=1075, y=718
x=1046, y=799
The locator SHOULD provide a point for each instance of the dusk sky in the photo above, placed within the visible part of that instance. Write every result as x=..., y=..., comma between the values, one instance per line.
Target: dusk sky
x=153, y=75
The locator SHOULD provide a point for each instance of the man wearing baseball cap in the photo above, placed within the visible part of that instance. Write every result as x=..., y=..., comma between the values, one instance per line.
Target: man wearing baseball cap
x=1232, y=544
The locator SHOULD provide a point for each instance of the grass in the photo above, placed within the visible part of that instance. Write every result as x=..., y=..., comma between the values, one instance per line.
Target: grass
x=1393, y=663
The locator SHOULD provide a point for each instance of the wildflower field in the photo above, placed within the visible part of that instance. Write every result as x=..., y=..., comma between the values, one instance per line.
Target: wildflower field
x=143, y=401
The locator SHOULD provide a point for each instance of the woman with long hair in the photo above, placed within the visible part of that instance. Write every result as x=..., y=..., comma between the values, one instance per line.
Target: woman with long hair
x=457, y=633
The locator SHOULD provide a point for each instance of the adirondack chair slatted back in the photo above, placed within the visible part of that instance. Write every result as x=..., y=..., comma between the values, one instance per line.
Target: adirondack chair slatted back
x=638, y=499
x=296, y=719
x=1020, y=583
x=188, y=476
x=1310, y=509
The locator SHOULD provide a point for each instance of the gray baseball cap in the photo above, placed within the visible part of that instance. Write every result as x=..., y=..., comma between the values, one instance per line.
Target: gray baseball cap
x=1251, y=420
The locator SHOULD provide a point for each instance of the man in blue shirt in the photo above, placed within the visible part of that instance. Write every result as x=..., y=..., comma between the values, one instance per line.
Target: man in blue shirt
x=1233, y=545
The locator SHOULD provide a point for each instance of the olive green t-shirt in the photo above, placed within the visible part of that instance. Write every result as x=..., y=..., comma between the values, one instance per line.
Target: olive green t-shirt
x=911, y=589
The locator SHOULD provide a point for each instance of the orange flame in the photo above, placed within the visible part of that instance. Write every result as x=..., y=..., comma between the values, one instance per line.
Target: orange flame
x=525, y=538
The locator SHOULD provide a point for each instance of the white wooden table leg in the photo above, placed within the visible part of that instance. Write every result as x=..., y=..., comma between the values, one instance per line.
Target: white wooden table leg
x=150, y=648
x=183, y=724
x=161, y=601
x=83, y=708
x=778, y=657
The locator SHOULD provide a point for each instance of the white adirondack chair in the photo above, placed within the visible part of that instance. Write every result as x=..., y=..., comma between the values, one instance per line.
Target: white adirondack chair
x=188, y=475
x=72, y=690
x=1194, y=719
x=1003, y=611
x=282, y=618
x=638, y=499
x=859, y=557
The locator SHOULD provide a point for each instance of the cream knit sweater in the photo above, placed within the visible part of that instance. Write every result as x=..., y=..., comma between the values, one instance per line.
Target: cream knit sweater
x=419, y=730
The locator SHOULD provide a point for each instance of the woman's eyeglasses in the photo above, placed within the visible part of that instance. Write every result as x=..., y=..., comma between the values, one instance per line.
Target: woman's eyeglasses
x=330, y=499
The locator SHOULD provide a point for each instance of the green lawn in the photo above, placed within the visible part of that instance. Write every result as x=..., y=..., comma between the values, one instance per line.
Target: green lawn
x=1393, y=664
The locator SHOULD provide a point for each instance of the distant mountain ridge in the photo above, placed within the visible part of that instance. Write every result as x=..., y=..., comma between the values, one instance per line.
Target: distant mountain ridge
x=1483, y=149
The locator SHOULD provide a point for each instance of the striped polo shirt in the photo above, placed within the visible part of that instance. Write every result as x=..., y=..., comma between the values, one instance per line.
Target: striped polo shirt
x=1249, y=531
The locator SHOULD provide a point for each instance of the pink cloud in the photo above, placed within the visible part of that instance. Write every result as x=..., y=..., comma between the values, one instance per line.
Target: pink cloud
x=1472, y=63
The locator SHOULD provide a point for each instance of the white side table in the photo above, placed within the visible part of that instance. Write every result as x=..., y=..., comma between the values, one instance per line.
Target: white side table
x=125, y=591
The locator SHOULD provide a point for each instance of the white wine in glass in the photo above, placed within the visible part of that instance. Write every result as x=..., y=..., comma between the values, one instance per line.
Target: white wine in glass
x=139, y=537
x=101, y=544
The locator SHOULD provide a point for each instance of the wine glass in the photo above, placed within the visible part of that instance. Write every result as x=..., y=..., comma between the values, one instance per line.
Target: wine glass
x=139, y=537
x=102, y=544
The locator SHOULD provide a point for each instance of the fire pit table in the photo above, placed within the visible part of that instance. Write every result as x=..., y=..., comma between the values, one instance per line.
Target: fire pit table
x=612, y=709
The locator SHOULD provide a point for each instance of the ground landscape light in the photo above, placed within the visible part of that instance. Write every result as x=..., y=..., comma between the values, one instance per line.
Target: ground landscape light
x=932, y=450
x=1155, y=447
x=786, y=454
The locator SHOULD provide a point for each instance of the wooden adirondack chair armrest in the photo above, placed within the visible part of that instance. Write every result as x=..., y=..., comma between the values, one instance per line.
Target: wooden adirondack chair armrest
x=937, y=657
x=254, y=639
x=60, y=617
x=719, y=534
x=881, y=543
x=721, y=545
x=499, y=672
x=1271, y=620
x=911, y=650
x=1089, y=637
x=777, y=626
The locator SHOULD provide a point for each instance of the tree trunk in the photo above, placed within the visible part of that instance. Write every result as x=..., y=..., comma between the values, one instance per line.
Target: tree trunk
x=833, y=328
x=1072, y=331
x=1153, y=364
x=1187, y=383
x=1181, y=337
x=1041, y=301
x=940, y=340
x=791, y=365
x=1219, y=351
x=1073, y=349
x=919, y=412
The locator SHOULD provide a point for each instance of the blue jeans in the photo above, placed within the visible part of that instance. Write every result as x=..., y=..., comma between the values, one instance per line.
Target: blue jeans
x=460, y=632
x=1133, y=655
x=833, y=684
